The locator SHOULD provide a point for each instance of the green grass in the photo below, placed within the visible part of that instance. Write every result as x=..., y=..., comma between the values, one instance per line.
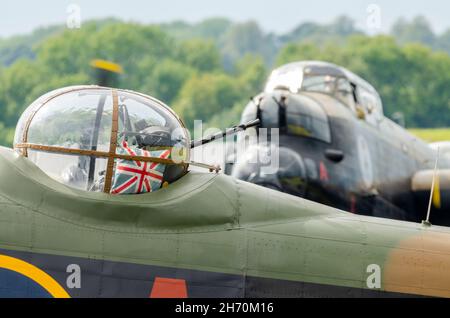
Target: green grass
x=432, y=134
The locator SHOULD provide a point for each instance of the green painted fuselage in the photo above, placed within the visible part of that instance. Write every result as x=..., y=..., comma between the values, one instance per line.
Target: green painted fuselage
x=213, y=234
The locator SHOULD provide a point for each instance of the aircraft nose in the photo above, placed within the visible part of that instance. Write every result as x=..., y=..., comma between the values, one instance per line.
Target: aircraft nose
x=274, y=167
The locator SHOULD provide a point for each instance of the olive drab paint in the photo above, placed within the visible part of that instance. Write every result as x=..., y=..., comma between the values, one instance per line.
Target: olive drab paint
x=220, y=236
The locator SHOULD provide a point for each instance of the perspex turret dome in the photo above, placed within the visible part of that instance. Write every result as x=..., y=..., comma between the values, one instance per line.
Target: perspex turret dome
x=83, y=136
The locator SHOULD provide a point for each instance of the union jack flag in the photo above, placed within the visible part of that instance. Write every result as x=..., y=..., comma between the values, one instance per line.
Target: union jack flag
x=132, y=176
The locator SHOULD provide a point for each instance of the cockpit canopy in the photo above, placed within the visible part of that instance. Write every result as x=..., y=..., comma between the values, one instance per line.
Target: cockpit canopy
x=327, y=78
x=102, y=139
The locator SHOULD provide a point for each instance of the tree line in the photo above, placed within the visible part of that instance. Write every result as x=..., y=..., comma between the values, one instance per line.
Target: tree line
x=210, y=70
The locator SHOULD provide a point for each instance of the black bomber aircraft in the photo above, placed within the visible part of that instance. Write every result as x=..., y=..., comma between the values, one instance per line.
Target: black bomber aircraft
x=336, y=147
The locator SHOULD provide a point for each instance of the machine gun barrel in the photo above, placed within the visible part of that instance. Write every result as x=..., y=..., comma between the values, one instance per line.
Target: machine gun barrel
x=226, y=132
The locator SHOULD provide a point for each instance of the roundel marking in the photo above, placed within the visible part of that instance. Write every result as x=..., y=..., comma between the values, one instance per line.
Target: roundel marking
x=35, y=274
x=365, y=162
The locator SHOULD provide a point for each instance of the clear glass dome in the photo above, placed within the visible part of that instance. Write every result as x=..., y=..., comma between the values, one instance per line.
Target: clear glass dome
x=102, y=139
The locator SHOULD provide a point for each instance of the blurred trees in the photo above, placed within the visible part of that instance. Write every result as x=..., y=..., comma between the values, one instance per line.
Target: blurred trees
x=209, y=29
x=411, y=78
x=204, y=95
x=246, y=38
x=337, y=32
x=418, y=30
x=234, y=40
x=185, y=73
x=199, y=54
x=21, y=46
x=209, y=70
x=220, y=98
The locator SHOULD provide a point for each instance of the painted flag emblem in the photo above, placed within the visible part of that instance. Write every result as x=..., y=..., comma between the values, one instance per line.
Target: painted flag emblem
x=132, y=176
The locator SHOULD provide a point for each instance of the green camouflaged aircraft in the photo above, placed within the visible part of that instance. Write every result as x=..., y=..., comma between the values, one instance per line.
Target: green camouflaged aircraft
x=73, y=225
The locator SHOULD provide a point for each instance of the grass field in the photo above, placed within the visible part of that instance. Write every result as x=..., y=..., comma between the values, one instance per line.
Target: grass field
x=432, y=134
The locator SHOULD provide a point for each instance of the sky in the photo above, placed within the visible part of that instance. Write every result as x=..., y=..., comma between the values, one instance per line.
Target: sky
x=20, y=16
